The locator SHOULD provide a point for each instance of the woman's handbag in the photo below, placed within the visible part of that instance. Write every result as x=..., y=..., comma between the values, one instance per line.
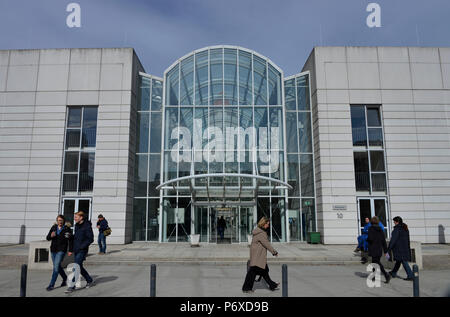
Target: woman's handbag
x=107, y=232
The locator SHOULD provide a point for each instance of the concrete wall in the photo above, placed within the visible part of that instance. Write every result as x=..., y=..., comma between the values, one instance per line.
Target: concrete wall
x=413, y=87
x=36, y=86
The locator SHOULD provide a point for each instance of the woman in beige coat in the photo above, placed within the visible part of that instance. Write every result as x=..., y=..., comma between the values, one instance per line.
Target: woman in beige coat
x=258, y=257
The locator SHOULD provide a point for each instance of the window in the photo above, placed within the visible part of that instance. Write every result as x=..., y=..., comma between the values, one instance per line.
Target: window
x=367, y=133
x=80, y=142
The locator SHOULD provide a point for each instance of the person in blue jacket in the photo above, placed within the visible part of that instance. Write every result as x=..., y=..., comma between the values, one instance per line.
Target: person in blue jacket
x=82, y=238
x=102, y=225
x=362, y=239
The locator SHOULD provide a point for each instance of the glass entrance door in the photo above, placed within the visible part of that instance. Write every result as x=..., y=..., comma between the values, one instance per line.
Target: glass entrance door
x=237, y=222
x=370, y=207
x=201, y=223
x=246, y=222
x=73, y=205
x=212, y=225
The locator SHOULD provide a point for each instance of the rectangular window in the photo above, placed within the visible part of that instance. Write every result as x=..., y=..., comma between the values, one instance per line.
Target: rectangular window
x=367, y=132
x=361, y=171
x=80, y=142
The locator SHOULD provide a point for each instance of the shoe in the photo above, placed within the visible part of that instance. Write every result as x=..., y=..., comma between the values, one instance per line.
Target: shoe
x=69, y=290
x=249, y=291
x=274, y=289
x=64, y=283
x=50, y=288
x=388, y=278
x=364, y=261
x=392, y=275
x=357, y=250
x=408, y=279
x=88, y=285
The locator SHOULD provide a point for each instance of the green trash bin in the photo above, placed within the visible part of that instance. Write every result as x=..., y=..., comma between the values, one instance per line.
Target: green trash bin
x=313, y=237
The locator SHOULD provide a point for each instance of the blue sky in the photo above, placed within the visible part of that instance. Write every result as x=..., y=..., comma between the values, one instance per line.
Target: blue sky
x=162, y=31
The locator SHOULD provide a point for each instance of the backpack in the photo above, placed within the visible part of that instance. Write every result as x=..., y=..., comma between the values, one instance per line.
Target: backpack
x=107, y=232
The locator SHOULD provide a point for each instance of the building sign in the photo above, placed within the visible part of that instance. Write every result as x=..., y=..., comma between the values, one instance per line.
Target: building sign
x=340, y=207
x=223, y=209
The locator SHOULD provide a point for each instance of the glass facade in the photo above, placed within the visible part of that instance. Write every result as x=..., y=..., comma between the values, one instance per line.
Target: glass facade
x=300, y=157
x=221, y=141
x=147, y=160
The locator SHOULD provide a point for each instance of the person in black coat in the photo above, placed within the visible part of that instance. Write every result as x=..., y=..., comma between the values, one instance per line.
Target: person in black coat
x=82, y=238
x=62, y=239
x=400, y=247
x=377, y=245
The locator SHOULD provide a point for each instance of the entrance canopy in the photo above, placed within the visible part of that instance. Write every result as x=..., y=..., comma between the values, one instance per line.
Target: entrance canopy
x=223, y=188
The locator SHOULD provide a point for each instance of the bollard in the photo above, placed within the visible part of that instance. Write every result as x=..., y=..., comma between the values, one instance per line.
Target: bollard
x=23, y=281
x=153, y=280
x=416, y=281
x=284, y=292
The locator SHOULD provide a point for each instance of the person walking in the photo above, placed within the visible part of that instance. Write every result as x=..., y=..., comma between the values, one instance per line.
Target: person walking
x=61, y=239
x=82, y=238
x=400, y=246
x=102, y=225
x=377, y=245
x=258, y=257
x=362, y=240
x=221, y=226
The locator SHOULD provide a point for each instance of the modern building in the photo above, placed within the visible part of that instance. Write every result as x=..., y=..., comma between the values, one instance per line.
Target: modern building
x=359, y=132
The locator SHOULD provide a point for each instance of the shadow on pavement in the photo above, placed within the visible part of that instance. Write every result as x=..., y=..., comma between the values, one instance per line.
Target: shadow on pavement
x=362, y=275
x=113, y=251
x=103, y=279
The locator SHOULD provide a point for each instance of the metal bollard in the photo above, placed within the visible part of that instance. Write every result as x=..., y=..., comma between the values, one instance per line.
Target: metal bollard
x=416, y=281
x=284, y=273
x=153, y=280
x=23, y=281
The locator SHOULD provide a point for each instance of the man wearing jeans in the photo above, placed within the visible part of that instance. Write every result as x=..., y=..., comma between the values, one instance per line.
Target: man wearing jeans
x=82, y=238
x=61, y=237
x=102, y=225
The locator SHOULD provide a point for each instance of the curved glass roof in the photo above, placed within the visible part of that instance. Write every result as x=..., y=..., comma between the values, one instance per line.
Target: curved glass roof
x=223, y=75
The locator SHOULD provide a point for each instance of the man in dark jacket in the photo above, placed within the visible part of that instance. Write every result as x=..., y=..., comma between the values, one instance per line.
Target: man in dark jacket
x=377, y=245
x=400, y=246
x=221, y=225
x=83, y=237
x=102, y=225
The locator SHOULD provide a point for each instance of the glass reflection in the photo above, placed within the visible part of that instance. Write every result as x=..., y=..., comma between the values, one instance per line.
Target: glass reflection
x=187, y=81
x=201, y=78
x=144, y=94
x=216, y=77
x=172, y=87
x=260, y=78
x=157, y=89
x=245, y=78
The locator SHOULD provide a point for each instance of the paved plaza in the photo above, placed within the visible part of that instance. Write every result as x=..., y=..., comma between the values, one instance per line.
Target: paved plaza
x=219, y=270
x=210, y=280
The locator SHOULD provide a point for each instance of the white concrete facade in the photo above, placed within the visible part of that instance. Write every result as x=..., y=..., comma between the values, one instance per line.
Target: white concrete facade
x=36, y=86
x=412, y=85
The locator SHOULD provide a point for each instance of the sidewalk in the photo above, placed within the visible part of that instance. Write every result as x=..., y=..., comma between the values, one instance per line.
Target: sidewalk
x=435, y=256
